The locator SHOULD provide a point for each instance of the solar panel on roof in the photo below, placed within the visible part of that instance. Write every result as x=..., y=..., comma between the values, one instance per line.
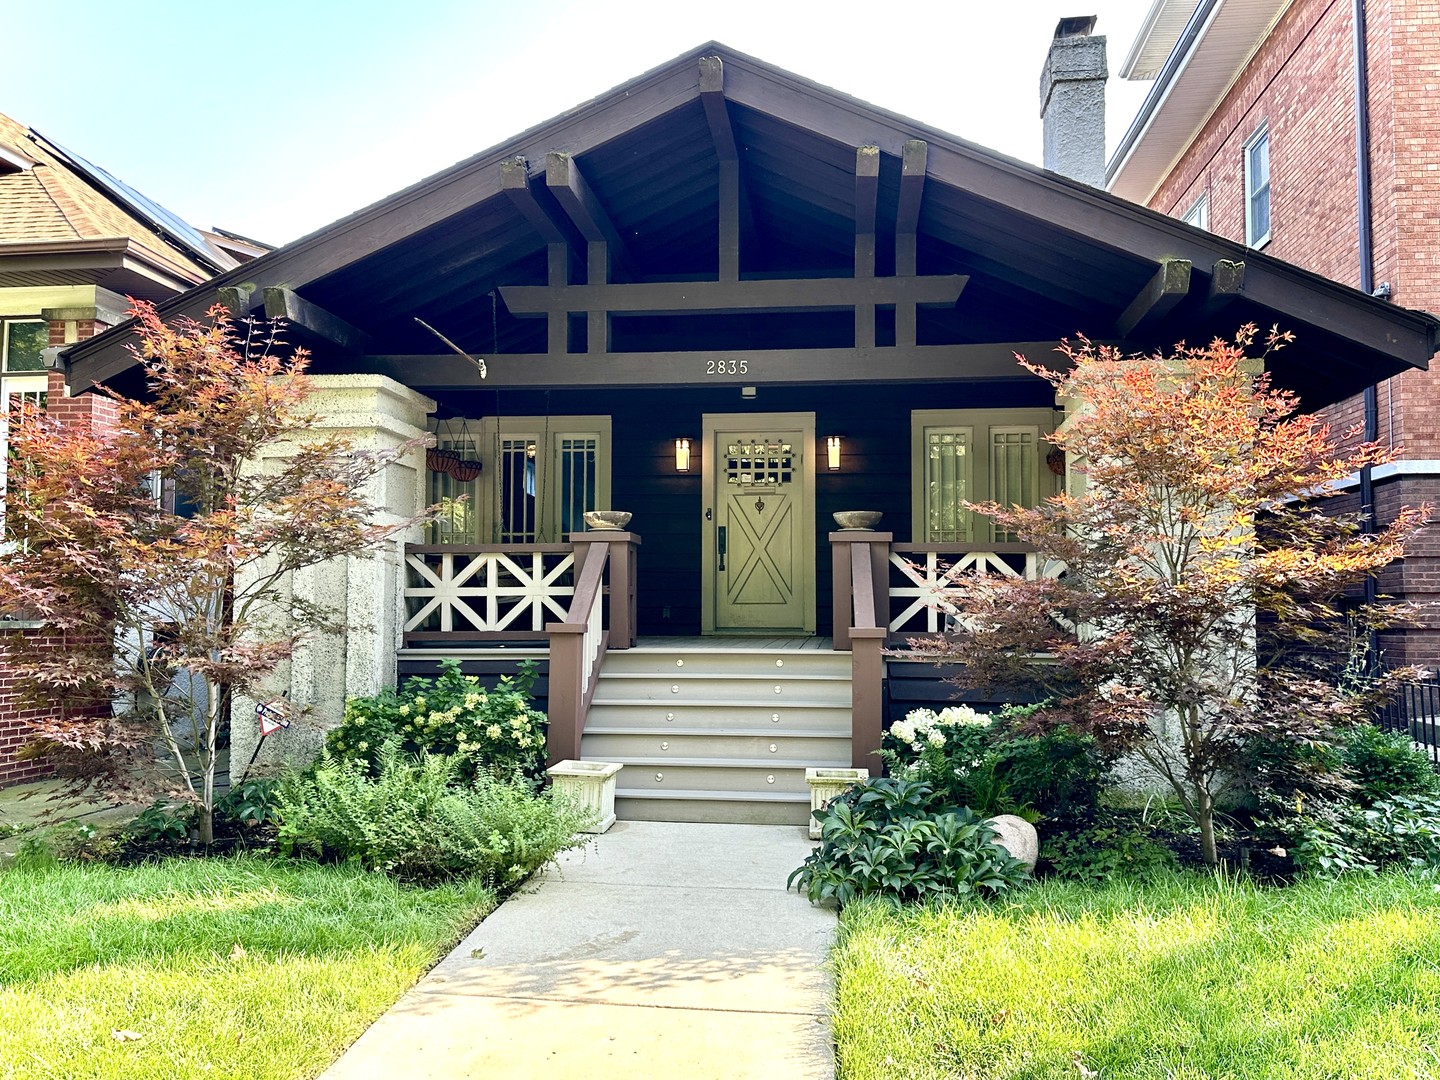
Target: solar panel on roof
x=173, y=225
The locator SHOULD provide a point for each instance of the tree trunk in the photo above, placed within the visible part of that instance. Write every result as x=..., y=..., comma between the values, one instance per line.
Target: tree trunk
x=1205, y=818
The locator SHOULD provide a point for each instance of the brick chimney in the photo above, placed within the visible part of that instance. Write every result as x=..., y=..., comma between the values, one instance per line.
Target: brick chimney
x=1072, y=102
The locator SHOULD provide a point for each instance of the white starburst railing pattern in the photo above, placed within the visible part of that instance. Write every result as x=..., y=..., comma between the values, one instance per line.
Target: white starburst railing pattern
x=485, y=591
x=925, y=579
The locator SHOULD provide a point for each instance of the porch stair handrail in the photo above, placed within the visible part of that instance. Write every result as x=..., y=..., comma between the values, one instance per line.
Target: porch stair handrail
x=578, y=643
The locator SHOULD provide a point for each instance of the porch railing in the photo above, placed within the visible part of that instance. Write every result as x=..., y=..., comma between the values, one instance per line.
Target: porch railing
x=485, y=592
x=888, y=589
x=924, y=578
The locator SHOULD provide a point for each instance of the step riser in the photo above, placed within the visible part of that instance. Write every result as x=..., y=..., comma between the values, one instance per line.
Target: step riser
x=729, y=813
x=727, y=662
x=820, y=751
x=702, y=691
x=640, y=775
x=731, y=717
x=720, y=713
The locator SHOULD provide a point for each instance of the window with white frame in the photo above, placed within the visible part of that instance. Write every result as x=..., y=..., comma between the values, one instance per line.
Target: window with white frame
x=1199, y=212
x=23, y=378
x=1257, y=188
x=974, y=455
x=519, y=479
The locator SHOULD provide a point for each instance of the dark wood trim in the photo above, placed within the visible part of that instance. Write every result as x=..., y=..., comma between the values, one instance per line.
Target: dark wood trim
x=565, y=180
x=737, y=218
x=915, y=363
x=314, y=322
x=515, y=182
x=236, y=299
x=867, y=187
x=785, y=294
x=1161, y=293
x=914, y=156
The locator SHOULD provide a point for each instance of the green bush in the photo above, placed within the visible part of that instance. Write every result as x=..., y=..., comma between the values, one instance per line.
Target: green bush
x=162, y=823
x=1110, y=843
x=496, y=730
x=1385, y=764
x=417, y=819
x=250, y=803
x=983, y=762
x=880, y=838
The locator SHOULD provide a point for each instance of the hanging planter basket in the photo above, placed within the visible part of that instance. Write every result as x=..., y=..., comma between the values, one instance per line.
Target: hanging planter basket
x=464, y=470
x=442, y=461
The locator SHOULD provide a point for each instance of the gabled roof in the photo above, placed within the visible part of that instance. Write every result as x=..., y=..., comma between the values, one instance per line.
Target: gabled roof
x=1046, y=257
x=64, y=220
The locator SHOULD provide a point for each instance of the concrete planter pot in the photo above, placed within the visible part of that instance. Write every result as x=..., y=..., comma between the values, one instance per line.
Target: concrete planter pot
x=825, y=784
x=591, y=784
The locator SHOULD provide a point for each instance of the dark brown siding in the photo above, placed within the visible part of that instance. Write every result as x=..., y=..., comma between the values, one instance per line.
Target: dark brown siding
x=668, y=506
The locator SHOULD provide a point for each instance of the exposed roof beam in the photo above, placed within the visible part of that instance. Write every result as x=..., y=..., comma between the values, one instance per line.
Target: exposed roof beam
x=922, y=363
x=1227, y=280
x=575, y=196
x=913, y=158
x=236, y=299
x=1161, y=293
x=315, y=322
x=788, y=294
x=867, y=188
x=712, y=95
x=737, y=219
x=515, y=182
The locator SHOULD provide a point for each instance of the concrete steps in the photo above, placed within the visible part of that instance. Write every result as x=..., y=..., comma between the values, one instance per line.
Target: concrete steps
x=721, y=735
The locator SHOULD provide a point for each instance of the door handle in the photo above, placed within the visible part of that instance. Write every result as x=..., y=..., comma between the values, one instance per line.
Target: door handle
x=720, y=546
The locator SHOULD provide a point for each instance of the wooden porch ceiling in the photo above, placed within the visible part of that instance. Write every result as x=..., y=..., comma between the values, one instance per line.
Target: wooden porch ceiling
x=717, y=183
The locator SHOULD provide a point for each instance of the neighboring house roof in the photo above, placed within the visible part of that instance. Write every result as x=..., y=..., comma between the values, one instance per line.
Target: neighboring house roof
x=1194, y=50
x=1045, y=256
x=64, y=221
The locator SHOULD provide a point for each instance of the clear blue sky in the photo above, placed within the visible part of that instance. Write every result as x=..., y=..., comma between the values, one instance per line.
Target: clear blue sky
x=274, y=118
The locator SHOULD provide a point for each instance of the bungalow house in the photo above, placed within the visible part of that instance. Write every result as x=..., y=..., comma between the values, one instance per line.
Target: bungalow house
x=735, y=304
x=74, y=243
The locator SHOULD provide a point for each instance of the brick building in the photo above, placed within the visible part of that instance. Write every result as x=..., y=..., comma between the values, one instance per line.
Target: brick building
x=1273, y=122
x=74, y=243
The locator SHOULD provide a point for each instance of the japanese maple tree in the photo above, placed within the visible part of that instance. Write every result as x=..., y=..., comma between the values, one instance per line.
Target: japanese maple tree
x=157, y=553
x=1207, y=584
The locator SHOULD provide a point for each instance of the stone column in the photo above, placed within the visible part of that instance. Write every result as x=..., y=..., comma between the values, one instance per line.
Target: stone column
x=375, y=413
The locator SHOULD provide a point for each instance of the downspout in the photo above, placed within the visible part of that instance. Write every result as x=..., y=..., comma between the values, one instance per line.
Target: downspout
x=1365, y=238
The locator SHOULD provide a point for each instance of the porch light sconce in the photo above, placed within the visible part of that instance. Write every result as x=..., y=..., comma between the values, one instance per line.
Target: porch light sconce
x=832, y=452
x=682, y=455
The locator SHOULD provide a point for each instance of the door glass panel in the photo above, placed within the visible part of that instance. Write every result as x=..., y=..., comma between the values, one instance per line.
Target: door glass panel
x=577, y=463
x=518, y=503
x=947, y=485
x=1013, y=470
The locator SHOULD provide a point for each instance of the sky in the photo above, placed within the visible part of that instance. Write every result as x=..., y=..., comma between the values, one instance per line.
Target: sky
x=273, y=118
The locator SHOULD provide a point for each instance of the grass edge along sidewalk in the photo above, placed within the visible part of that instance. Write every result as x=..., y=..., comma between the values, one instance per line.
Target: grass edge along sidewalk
x=235, y=966
x=1188, y=976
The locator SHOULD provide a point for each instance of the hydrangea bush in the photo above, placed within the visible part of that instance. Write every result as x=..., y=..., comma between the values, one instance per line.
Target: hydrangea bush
x=496, y=730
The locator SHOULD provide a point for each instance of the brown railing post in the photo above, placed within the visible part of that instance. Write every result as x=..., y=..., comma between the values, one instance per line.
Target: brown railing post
x=867, y=680
x=623, y=580
x=841, y=578
x=567, y=700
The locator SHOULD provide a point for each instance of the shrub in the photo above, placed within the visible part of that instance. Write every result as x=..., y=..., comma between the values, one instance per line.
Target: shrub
x=1112, y=843
x=880, y=839
x=411, y=820
x=493, y=729
x=985, y=763
x=1383, y=764
x=250, y=803
x=162, y=823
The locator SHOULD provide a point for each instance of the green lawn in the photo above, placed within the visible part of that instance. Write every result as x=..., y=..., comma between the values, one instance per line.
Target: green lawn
x=87, y=951
x=1187, y=978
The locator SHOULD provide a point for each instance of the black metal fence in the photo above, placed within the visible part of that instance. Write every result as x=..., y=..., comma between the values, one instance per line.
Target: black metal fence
x=1415, y=711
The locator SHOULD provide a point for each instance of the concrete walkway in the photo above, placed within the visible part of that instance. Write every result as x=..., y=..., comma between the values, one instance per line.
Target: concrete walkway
x=664, y=950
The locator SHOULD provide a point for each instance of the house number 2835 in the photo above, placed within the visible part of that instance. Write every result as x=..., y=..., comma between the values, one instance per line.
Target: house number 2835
x=727, y=367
